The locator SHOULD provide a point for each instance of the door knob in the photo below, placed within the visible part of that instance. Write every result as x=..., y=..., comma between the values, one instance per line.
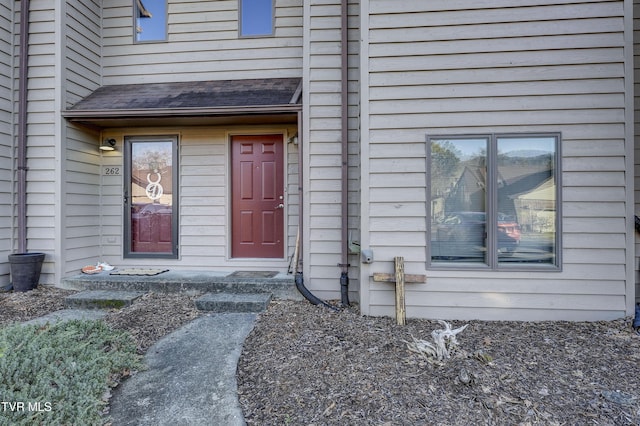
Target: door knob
x=280, y=206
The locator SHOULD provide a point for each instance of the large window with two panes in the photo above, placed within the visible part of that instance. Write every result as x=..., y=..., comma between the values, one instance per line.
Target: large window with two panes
x=494, y=201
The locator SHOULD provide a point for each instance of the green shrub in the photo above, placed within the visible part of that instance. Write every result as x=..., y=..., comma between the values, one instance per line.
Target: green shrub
x=58, y=374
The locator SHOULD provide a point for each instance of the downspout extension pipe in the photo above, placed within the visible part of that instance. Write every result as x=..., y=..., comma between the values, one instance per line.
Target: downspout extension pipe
x=344, y=288
x=299, y=279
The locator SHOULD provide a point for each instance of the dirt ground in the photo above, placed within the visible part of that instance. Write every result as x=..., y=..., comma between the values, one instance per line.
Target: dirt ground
x=308, y=365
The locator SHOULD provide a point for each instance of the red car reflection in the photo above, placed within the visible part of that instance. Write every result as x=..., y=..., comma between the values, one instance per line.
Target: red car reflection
x=508, y=226
x=468, y=229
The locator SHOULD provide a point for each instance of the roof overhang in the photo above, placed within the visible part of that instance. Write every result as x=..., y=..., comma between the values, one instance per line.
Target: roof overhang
x=256, y=101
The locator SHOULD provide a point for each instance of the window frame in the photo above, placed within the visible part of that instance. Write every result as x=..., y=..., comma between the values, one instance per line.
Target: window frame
x=135, y=24
x=241, y=26
x=491, y=261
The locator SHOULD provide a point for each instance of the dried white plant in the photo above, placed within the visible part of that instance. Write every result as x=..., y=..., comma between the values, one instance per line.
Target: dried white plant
x=444, y=342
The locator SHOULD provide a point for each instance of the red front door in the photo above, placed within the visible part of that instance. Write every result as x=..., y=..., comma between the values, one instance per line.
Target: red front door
x=257, y=196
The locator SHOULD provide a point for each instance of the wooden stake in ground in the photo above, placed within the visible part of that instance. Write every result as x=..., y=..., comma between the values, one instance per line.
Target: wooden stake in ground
x=401, y=316
x=399, y=278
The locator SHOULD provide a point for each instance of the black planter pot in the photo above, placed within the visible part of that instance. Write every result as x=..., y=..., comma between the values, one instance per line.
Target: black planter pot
x=25, y=270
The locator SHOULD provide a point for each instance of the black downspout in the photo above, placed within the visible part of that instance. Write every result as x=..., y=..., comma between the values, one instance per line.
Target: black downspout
x=22, y=126
x=299, y=277
x=636, y=319
x=344, y=262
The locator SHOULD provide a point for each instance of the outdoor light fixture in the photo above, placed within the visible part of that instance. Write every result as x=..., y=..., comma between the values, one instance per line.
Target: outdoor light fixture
x=108, y=145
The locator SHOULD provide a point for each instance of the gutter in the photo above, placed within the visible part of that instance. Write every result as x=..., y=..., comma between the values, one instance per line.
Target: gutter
x=22, y=126
x=344, y=261
x=74, y=115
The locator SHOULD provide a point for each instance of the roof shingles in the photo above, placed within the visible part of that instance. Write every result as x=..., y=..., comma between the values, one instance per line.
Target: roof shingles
x=197, y=95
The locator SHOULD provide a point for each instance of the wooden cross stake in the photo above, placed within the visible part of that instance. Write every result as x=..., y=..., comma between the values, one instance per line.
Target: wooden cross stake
x=400, y=278
x=401, y=315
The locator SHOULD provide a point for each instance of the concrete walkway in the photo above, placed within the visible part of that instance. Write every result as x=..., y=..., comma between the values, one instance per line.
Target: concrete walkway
x=190, y=378
x=191, y=374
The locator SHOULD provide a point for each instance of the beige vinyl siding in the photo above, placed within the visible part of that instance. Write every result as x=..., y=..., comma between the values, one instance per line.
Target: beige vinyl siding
x=446, y=67
x=354, y=117
x=6, y=139
x=80, y=239
x=203, y=44
x=82, y=49
x=323, y=145
x=42, y=143
x=204, y=221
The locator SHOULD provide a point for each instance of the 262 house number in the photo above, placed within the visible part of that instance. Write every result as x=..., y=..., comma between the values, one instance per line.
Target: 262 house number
x=112, y=171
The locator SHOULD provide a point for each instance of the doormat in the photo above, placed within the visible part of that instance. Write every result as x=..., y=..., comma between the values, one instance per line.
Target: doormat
x=253, y=274
x=138, y=271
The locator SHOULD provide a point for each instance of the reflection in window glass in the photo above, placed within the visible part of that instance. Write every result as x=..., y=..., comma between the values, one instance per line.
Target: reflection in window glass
x=458, y=199
x=526, y=190
x=256, y=17
x=494, y=200
x=151, y=189
x=150, y=20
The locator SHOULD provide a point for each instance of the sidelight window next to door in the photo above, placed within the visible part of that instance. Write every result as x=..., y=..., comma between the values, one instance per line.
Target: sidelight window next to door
x=150, y=197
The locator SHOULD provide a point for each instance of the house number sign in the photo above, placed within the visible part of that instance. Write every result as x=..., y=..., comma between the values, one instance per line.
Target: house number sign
x=154, y=190
x=111, y=171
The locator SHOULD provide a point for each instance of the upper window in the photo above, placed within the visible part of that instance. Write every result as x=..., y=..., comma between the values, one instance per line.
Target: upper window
x=494, y=200
x=256, y=18
x=150, y=20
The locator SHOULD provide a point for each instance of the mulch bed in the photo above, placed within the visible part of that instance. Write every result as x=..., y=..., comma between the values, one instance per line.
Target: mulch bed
x=308, y=365
x=24, y=306
x=151, y=317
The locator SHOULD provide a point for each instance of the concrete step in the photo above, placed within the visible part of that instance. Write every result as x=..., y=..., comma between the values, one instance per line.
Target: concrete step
x=102, y=299
x=233, y=302
x=280, y=285
x=209, y=302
